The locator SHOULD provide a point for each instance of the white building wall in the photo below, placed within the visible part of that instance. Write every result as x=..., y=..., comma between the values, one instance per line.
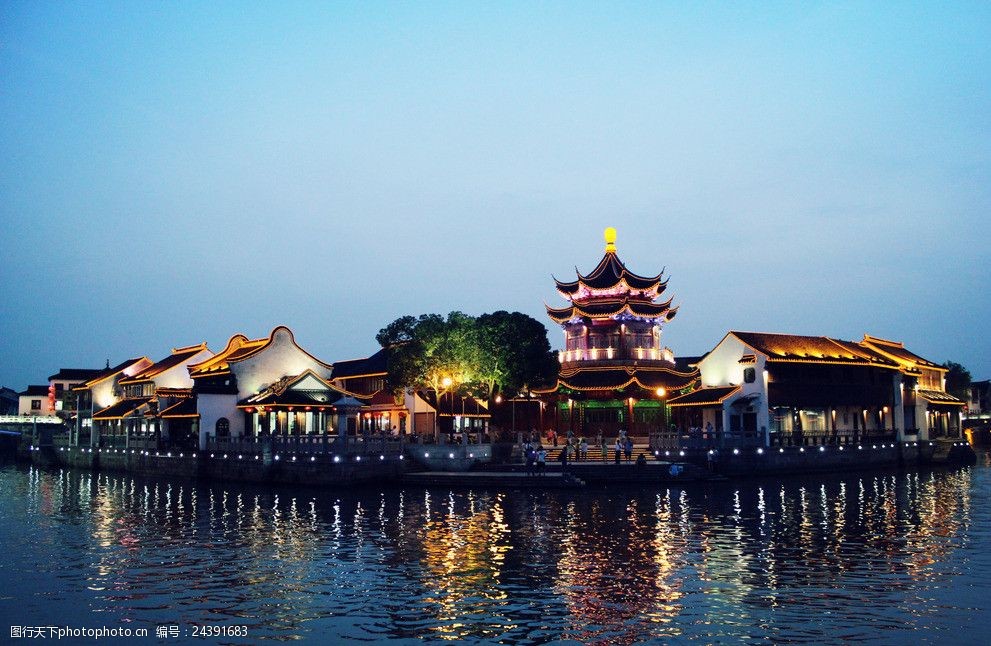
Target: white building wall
x=24, y=405
x=722, y=367
x=282, y=358
x=178, y=375
x=211, y=408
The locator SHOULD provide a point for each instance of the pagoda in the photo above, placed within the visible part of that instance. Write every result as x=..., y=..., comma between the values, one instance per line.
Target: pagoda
x=615, y=375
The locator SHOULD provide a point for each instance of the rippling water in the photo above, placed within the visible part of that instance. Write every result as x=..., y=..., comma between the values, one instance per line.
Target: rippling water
x=891, y=558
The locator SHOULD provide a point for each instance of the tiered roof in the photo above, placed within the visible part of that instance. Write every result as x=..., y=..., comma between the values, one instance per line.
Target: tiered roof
x=612, y=291
x=613, y=308
x=613, y=378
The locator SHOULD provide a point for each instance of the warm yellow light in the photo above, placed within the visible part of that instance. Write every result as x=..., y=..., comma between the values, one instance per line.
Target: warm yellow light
x=445, y=382
x=610, y=235
x=498, y=399
x=660, y=392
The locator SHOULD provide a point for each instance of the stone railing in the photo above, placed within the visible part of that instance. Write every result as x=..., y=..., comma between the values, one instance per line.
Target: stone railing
x=316, y=444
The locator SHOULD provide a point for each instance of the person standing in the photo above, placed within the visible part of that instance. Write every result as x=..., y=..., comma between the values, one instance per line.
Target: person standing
x=541, y=460
x=530, y=455
x=628, y=449
x=618, y=449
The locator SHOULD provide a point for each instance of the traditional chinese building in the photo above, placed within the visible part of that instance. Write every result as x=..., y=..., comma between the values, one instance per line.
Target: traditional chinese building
x=767, y=389
x=146, y=394
x=615, y=374
x=245, y=368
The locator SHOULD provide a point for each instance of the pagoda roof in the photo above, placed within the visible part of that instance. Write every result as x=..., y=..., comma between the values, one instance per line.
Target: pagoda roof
x=178, y=356
x=704, y=396
x=610, y=273
x=612, y=307
x=122, y=408
x=618, y=377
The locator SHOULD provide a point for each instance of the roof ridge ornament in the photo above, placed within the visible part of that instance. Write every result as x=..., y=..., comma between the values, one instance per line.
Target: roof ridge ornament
x=610, y=236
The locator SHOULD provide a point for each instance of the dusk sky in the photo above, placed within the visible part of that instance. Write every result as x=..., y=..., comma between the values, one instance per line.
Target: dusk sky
x=178, y=172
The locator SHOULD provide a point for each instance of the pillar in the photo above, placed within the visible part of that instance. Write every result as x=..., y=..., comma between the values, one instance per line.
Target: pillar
x=898, y=408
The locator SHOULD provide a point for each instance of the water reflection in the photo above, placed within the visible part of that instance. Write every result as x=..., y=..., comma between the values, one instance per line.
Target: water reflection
x=838, y=557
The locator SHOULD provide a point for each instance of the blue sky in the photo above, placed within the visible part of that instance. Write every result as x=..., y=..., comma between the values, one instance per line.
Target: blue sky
x=178, y=172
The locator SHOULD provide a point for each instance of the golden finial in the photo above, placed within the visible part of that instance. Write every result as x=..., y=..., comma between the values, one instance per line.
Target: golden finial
x=610, y=236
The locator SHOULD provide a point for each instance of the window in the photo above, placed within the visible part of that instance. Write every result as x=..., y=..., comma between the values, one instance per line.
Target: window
x=223, y=427
x=749, y=375
x=35, y=404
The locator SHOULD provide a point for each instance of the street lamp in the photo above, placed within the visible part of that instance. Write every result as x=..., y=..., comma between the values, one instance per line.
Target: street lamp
x=446, y=383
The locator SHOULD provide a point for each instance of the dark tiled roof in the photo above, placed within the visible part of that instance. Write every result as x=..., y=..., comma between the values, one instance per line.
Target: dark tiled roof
x=282, y=393
x=613, y=307
x=122, y=408
x=608, y=379
x=176, y=358
x=609, y=273
x=704, y=396
x=811, y=349
x=687, y=364
x=75, y=374
x=897, y=350
x=939, y=397
x=107, y=372
x=377, y=364
x=238, y=347
x=185, y=408
x=34, y=391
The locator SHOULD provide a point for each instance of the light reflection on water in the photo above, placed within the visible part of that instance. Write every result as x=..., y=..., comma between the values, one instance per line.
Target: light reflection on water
x=899, y=557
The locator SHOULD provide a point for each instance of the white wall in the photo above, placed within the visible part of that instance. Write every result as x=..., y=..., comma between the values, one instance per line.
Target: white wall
x=24, y=405
x=281, y=358
x=178, y=375
x=722, y=367
x=211, y=408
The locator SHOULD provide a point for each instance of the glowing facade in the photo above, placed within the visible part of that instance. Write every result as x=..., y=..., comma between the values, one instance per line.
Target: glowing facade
x=615, y=374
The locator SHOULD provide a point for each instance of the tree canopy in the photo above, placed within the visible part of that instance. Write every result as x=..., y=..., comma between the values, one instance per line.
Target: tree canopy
x=957, y=380
x=485, y=355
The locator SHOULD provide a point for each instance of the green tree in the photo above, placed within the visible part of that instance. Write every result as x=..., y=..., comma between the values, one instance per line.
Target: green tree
x=495, y=352
x=957, y=380
x=514, y=351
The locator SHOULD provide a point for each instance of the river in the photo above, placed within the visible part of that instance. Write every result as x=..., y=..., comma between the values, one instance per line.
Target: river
x=894, y=557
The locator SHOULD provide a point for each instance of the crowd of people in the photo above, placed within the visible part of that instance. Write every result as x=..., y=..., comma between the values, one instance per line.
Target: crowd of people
x=574, y=449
